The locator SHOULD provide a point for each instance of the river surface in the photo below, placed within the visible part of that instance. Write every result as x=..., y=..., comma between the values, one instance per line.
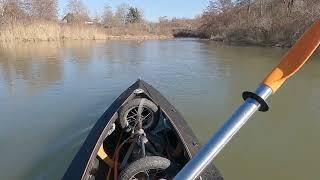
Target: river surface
x=51, y=95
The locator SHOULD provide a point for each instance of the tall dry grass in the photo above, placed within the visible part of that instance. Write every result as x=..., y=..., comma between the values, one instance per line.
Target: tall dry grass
x=23, y=31
x=54, y=31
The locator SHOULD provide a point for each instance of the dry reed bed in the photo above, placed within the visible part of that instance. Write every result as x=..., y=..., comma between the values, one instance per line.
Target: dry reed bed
x=53, y=31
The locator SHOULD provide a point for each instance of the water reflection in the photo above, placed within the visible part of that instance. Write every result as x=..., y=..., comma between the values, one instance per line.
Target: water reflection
x=36, y=64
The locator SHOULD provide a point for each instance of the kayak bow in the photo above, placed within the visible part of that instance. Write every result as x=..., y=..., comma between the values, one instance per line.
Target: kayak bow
x=290, y=64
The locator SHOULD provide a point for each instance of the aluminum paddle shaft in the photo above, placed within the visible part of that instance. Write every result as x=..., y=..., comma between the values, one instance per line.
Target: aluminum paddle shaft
x=290, y=64
x=206, y=154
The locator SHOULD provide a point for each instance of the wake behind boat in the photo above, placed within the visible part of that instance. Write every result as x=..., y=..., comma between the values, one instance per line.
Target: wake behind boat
x=140, y=136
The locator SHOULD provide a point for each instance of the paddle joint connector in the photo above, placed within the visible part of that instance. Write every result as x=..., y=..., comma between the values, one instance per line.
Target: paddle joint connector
x=264, y=107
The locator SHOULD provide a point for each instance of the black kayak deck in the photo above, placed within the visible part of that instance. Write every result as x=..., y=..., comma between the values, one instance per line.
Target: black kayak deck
x=79, y=165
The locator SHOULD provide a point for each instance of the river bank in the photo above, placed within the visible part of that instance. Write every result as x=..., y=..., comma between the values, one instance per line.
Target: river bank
x=36, y=31
x=243, y=41
x=271, y=23
x=55, y=31
x=234, y=38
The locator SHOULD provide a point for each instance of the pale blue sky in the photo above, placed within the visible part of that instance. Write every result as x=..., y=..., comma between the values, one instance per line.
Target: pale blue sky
x=153, y=9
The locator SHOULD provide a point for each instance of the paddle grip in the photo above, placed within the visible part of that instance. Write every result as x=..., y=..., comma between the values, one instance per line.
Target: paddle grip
x=295, y=58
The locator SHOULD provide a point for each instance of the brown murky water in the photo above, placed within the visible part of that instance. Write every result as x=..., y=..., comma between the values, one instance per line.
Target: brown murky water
x=51, y=94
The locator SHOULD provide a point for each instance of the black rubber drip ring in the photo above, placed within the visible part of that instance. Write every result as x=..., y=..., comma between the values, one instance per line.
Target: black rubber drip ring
x=263, y=104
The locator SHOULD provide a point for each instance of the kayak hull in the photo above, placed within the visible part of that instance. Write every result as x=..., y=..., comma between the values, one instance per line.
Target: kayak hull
x=80, y=165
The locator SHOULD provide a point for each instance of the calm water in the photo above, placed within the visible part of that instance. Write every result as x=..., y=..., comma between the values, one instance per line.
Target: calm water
x=51, y=94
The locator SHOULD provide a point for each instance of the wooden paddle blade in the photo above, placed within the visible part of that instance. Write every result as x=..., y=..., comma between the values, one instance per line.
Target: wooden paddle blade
x=295, y=58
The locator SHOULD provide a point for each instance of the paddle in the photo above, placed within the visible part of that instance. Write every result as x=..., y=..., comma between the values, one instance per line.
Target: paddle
x=290, y=64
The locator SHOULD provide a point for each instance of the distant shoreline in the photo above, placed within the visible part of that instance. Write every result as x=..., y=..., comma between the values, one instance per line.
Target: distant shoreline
x=37, y=31
x=106, y=38
x=53, y=31
x=244, y=41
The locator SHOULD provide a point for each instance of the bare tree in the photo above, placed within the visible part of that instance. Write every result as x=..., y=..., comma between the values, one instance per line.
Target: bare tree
x=12, y=10
x=121, y=13
x=78, y=10
x=270, y=22
x=42, y=9
x=245, y=3
x=97, y=18
x=108, y=16
x=220, y=6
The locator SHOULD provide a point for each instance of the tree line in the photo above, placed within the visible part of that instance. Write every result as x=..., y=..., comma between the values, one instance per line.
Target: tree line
x=263, y=22
x=123, y=14
x=26, y=9
x=48, y=10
